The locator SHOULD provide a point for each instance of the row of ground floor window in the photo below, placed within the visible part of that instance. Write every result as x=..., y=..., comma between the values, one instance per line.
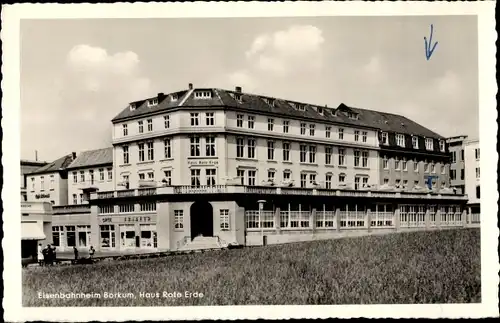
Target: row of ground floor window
x=220, y=221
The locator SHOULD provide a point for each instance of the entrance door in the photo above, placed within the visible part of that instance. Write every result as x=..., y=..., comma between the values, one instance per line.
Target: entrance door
x=202, y=219
x=127, y=236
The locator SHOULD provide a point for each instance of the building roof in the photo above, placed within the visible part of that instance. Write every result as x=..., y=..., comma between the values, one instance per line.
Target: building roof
x=253, y=103
x=93, y=158
x=25, y=162
x=57, y=165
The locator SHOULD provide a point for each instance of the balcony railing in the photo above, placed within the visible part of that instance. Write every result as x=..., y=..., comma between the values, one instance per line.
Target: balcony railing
x=266, y=190
x=77, y=208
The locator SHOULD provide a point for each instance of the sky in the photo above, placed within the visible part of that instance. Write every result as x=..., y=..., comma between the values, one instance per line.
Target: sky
x=76, y=75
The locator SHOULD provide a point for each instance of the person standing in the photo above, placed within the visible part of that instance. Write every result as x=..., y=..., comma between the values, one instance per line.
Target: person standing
x=91, y=252
x=40, y=255
x=75, y=250
x=50, y=255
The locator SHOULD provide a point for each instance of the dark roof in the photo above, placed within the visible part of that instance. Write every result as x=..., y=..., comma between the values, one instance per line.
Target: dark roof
x=93, y=158
x=255, y=104
x=59, y=164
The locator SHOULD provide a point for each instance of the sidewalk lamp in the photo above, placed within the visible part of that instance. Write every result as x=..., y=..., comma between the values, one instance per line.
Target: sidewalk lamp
x=261, y=206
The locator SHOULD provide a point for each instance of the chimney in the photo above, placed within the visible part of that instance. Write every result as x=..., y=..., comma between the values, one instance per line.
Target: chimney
x=190, y=86
x=36, y=155
x=74, y=155
x=161, y=96
x=238, y=89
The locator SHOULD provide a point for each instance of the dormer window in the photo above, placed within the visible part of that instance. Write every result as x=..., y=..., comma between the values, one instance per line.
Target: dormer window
x=352, y=115
x=385, y=138
x=269, y=101
x=236, y=96
x=203, y=94
x=400, y=140
x=152, y=102
x=320, y=111
x=132, y=106
x=174, y=97
x=441, y=145
x=414, y=141
x=429, y=144
x=301, y=107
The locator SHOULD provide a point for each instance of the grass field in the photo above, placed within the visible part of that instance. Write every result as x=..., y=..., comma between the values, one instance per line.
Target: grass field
x=417, y=267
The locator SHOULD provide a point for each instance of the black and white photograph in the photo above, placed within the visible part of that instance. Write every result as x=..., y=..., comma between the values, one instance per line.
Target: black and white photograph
x=192, y=158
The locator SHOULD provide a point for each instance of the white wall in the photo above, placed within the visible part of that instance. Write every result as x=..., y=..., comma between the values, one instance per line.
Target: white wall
x=76, y=187
x=471, y=163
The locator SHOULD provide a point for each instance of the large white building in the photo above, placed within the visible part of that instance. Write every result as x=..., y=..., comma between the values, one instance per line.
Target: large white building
x=473, y=175
x=245, y=169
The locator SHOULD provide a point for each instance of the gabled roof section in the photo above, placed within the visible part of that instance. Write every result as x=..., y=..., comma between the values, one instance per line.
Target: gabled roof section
x=57, y=165
x=93, y=158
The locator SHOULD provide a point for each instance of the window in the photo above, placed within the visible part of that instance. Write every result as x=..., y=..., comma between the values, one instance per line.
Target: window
x=141, y=152
x=286, y=151
x=357, y=182
x=81, y=199
x=397, y=165
x=270, y=150
x=341, y=133
x=151, y=176
x=195, y=178
x=52, y=183
x=174, y=97
x=70, y=236
x=203, y=94
x=385, y=162
x=328, y=181
x=415, y=183
x=251, y=122
x=210, y=146
x=240, y=147
x=286, y=124
x=453, y=174
x=82, y=176
x=42, y=183
x=302, y=128
x=178, y=219
x=209, y=118
x=251, y=148
x=56, y=235
x=478, y=192
x=303, y=153
x=125, y=155
x=239, y=120
x=341, y=157
x=453, y=157
x=365, y=136
x=356, y=135
x=195, y=146
x=415, y=165
x=328, y=131
x=287, y=175
x=357, y=155
x=364, y=159
x=400, y=140
x=110, y=173
x=75, y=177
x=477, y=172
x=312, y=129
x=167, y=177
x=168, y=148
x=414, y=142
x=386, y=181
x=341, y=178
x=320, y=111
x=91, y=173
x=141, y=126
x=32, y=184
x=328, y=155
x=166, y=121
x=150, y=125
x=270, y=175
x=303, y=180
x=429, y=145
x=210, y=176
x=75, y=199
x=365, y=181
x=241, y=174
x=224, y=219
x=125, y=129
x=433, y=168
x=107, y=236
x=312, y=179
x=101, y=174
x=251, y=177
x=476, y=151
x=442, y=145
x=405, y=183
x=142, y=177
x=312, y=154
x=270, y=124
x=405, y=164
x=151, y=154
x=147, y=207
x=385, y=138
x=195, y=119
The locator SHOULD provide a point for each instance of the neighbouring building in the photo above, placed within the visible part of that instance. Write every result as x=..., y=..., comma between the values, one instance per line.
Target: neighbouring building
x=36, y=227
x=28, y=166
x=457, y=167
x=473, y=177
x=49, y=183
x=212, y=166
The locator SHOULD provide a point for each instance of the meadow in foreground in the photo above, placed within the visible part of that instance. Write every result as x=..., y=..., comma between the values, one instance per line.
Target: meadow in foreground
x=417, y=267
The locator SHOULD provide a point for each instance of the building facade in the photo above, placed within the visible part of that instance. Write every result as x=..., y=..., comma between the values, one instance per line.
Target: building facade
x=473, y=176
x=36, y=227
x=457, y=168
x=28, y=166
x=211, y=167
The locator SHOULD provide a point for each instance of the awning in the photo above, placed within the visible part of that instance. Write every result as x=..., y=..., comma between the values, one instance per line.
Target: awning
x=31, y=231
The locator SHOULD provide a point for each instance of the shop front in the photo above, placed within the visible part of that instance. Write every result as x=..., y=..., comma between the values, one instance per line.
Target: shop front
x=127, y=232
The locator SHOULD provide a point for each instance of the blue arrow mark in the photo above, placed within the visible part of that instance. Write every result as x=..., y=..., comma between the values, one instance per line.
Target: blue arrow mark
x=429, y=48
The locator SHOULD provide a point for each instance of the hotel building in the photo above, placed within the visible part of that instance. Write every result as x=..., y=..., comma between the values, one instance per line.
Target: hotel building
x=473, y=177
x=457, y=168
x=207, y=167
x=28, y=166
